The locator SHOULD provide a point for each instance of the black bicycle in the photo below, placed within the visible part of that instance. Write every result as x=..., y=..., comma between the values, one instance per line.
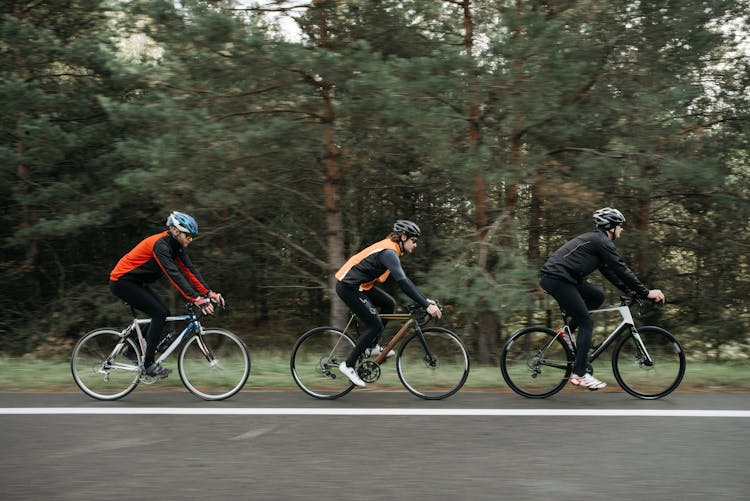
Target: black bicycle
x=432, y=362
x=647, y=362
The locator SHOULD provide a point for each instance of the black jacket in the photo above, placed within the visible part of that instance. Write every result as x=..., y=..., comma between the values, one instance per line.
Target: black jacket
x=579, y=257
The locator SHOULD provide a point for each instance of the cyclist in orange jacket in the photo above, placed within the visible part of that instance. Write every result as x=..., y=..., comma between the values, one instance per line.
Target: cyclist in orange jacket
x=356, y=287
x=161, y=254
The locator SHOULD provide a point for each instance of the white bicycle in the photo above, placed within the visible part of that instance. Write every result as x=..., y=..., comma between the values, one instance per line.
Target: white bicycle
x=213, y=364
x=647, y=362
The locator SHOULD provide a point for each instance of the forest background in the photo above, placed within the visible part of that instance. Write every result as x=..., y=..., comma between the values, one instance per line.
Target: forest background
x=296, y=132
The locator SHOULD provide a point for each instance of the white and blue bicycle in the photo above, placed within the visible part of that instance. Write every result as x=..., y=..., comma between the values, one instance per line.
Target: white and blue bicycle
x=213, y=364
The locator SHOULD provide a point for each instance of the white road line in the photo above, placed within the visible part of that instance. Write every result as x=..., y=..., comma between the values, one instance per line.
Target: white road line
x=295, y=411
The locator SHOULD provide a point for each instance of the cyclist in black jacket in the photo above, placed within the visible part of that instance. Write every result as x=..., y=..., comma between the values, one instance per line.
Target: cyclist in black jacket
x=564, y=274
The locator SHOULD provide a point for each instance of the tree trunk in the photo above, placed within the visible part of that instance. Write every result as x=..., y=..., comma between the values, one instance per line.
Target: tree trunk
x=487, y=329
x=334, y=226
x=334, y=221
x=641, y=220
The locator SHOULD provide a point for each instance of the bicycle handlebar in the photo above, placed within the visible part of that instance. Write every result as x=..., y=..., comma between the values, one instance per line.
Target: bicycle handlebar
x=644, y=304
x=191, y=308
x=626, y=300
x=419, y=312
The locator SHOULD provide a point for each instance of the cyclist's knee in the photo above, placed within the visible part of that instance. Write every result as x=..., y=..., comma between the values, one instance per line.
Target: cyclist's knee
x=586, y=324
x=376, y=326
x=596, y=300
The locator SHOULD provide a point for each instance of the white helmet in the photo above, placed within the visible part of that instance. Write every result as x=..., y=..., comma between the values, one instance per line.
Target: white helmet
x=608, y=218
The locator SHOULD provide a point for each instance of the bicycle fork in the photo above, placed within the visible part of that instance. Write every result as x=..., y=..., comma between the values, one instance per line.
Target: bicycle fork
x=641, y=348
x=205, y=349
x=429, y=358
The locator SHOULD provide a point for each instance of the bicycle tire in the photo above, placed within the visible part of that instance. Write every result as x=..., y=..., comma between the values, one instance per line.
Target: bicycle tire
x=638, y=378
x=535, y=362
x=221, y=376
x=315, y=362
x=99, y=373
x=433, y=379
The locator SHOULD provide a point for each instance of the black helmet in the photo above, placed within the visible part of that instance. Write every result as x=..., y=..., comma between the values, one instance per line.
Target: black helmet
x=608, y=218
x=411, y=229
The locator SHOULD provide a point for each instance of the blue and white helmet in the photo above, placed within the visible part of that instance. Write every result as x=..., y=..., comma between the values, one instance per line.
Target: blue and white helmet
x=183, y=222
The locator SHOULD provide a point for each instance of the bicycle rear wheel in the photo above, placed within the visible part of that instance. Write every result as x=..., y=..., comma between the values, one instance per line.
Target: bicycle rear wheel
x=649, y=380
x=214, y=365
x=535, y=362
x=100, y=370
x=315, y=363
x=437, y=374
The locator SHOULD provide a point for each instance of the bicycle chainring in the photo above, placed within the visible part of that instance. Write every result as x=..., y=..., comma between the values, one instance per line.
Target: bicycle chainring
x=368, y=371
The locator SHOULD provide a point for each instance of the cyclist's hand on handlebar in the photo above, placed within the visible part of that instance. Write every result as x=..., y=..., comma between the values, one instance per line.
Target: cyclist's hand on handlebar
x=204, y=303
x=217, y=298
x=434, y=310
x=657, y=295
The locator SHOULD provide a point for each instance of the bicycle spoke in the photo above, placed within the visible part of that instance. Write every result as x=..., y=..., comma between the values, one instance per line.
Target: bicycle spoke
x=99, y=370
x=534, y=363
x=652, y=373
x=315, y=360
x=437, y=373
x=214, y=366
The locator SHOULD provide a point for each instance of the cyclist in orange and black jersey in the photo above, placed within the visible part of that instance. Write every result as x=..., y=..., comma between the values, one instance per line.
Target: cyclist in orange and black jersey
x=356, y=287
x=161, y=254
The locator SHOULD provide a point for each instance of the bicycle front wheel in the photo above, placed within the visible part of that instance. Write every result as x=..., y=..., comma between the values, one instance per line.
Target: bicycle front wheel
x=315, y=363
x=644, y=378
x=214, y=365
x=433, y=366
x=99, y=367
x=535, y=362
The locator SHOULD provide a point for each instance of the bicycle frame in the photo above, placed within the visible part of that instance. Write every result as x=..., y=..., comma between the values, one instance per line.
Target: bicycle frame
x=626, y=322
x=193, y=325
x=409, y=321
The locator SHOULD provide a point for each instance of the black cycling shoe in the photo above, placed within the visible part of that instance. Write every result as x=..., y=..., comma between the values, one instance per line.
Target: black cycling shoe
x=156, y=370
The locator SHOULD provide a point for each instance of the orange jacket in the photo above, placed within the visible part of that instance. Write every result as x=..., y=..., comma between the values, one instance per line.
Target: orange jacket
x=159, y=255
x=364, y=268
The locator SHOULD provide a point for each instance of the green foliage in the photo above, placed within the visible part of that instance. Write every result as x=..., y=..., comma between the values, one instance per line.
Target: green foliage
x=499, y=132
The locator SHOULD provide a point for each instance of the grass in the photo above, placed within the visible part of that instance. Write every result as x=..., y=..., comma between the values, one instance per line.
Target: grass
x=270, y=370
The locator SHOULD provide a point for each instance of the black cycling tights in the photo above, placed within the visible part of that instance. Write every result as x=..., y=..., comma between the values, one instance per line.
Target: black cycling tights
x=576, y=300
x=141, y=297
x=365, y=305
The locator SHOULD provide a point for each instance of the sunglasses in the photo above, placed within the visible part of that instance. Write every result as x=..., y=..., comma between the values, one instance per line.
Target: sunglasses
x=189, y=236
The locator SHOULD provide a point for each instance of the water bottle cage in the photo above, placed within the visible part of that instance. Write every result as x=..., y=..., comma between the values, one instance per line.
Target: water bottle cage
x=166, y=341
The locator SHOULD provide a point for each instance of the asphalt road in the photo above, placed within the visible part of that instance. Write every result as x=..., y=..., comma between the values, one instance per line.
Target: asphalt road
x=123, y=450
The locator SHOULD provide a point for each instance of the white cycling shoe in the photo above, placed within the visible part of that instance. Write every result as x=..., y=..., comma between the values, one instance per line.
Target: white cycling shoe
x=587, y=381
x=351, y=374
x=377, y=350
